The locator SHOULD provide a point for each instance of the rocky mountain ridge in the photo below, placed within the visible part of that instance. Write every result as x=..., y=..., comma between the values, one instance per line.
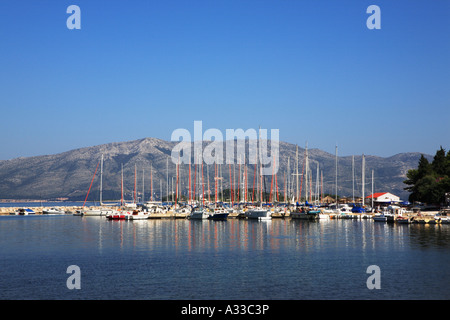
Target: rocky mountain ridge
x=69, y=174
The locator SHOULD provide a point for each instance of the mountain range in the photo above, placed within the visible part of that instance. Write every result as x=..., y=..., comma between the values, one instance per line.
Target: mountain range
x=69, y=174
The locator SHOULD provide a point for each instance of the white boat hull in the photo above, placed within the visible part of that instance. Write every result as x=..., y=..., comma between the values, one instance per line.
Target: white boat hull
x=92, y=213
x=53, y=212
x=380, y=218
x=136, y=216
x=198, y=215
x=258, y=214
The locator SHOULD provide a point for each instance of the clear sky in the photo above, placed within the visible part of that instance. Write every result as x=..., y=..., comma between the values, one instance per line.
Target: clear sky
x=310, y=68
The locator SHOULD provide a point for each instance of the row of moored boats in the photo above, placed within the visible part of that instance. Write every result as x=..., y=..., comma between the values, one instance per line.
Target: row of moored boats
x=219, y=212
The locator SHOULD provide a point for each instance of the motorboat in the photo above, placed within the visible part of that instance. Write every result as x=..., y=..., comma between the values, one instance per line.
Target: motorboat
x=137, y=215
x=198, y=213
x=380, y=217
x=219, y=214
x=344, y=211
x=23, y=212
x=305, y=214
x=53, y=211
x=258, y=214
x=119, y=215
x=98, y=212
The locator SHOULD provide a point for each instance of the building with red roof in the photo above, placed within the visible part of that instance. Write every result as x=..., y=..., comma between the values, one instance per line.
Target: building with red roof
x=383, y=197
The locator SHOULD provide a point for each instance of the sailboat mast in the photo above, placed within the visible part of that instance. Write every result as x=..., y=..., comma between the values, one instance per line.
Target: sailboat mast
x=203, y=188
x=372, y=192
x=167, y=177
x=190, y=181
x=336, y=185
x=276, y=182
x=135, y=183
x=221, y=182
x=176, y=187
x=317, y=184
x=91, y=184
x=245, y=181
x=101, y=181
x=363, y=178
x=121, y=197
x=296, y=174
x=151, y=182
x=288, y=178
x=231, y=185
x=215, y=182
x=260, y=168
x=321, y=186
x=254, y=180
x=207, y=179
x=195, y=179
x=306, y=172
x=353, y=179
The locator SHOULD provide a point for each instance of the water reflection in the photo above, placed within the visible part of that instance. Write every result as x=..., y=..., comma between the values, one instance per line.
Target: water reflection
x=233, y=235
x=244, y=235
x=430, y=236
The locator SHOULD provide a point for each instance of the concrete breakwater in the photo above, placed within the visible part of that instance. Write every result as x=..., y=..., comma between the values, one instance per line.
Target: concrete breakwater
x=38, y=210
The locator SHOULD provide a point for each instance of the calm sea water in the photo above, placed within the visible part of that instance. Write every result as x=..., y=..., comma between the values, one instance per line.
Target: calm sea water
x=234, y=259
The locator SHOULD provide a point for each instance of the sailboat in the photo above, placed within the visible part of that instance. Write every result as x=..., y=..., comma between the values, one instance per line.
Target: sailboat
x=101, y=211
x=23, y=212
x=259, y=213
x=218, y=212
x=200, y=212
x=128, y=211
x=136, y=213
x=304, y=212
x=361, y=208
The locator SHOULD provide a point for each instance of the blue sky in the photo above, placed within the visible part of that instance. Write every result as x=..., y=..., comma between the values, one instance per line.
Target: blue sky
x=310, y=68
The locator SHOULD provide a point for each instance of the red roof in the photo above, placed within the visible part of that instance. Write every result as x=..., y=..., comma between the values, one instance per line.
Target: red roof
x=376, y=195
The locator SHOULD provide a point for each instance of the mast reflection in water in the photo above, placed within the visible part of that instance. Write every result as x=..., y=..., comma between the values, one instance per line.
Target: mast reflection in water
x=234, y=259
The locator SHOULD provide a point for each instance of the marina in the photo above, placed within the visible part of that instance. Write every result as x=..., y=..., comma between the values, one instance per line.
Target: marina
x=169, y=212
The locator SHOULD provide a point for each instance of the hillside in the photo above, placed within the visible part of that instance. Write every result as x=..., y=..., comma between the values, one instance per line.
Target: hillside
x=69, y=174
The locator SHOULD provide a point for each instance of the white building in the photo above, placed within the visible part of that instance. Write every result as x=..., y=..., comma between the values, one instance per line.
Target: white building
x=383, y=197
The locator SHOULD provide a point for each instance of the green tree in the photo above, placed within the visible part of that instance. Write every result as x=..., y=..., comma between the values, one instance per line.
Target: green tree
x=439, y=162
x=414, y=176
x=447, y=158
x=430, y=181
